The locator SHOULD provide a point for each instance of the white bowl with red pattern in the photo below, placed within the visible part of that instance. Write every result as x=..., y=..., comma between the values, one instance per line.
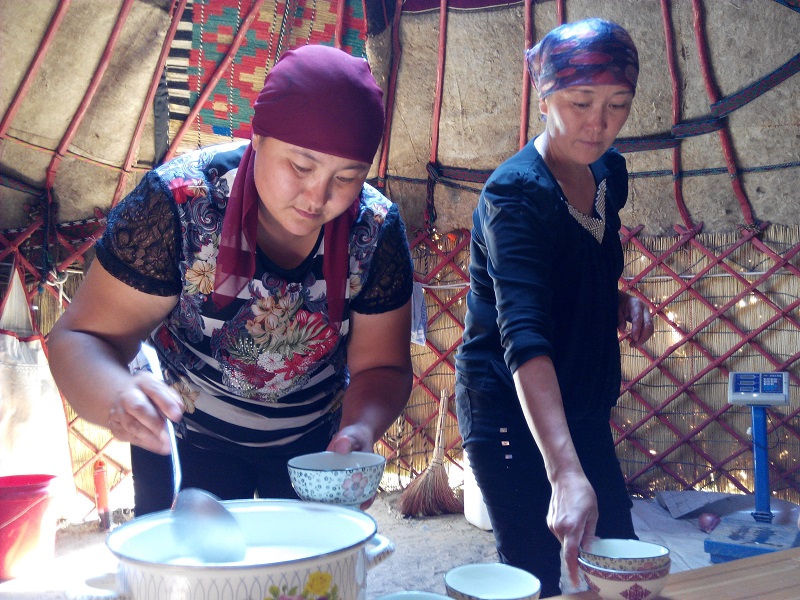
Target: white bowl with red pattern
x=612, y=584
x=491, y=581
x=625, y=555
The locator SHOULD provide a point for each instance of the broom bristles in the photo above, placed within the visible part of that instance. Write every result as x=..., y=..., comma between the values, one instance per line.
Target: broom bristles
x=430, y=492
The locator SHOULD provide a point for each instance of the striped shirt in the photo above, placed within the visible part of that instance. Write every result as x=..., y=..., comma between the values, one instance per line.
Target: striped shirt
x=268, y=367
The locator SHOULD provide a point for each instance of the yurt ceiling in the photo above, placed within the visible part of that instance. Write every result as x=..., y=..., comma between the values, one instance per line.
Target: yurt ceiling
x=717, y=83
x=94, y=93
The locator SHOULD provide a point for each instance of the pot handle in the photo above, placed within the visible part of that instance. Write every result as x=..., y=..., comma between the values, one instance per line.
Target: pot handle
x=377, y=549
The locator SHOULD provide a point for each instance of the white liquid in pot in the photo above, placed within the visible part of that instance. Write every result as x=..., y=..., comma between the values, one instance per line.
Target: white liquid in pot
x=256, y=555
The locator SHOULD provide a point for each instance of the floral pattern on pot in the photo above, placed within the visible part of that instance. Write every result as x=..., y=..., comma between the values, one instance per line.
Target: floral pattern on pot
x=319, y=586
x=344, y=579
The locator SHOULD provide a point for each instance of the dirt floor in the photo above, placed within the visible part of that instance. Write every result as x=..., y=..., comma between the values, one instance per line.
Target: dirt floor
x=425, y=549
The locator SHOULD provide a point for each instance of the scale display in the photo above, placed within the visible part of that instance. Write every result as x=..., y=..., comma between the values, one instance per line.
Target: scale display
x=759, y=389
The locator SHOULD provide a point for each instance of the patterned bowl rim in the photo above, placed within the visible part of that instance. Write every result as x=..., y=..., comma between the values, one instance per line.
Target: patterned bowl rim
x=649, y=564
x=460, y=594
x=662, y=551
x=375, y=461
x=529, y=585
x=643, y=575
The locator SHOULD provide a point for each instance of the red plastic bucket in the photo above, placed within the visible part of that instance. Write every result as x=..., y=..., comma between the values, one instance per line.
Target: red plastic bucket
x=27, y=535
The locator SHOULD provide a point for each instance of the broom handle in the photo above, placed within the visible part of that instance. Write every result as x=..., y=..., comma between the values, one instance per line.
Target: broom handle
x=438, y=450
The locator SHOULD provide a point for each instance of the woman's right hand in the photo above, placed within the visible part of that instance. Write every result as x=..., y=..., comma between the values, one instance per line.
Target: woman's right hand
x=572, y=517
x=137, y=414
x=573, y=512
x=90, y=348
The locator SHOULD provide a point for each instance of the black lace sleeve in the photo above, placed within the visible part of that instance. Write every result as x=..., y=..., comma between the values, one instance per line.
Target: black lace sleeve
x=390, y=281
x=140, y=244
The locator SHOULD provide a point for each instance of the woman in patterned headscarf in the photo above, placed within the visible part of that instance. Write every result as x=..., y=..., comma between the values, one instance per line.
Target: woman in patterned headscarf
x=273, y=283
x=539, y=367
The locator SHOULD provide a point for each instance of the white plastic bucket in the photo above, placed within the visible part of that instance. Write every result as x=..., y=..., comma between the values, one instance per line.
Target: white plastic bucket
x=474, y=507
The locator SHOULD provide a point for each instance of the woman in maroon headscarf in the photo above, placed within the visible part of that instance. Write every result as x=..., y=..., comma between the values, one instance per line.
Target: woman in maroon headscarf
x=539, y=369
x=274, y=284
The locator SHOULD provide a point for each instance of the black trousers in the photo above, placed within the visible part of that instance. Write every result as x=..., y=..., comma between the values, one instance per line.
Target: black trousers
x=510, y=473
x=227, y=470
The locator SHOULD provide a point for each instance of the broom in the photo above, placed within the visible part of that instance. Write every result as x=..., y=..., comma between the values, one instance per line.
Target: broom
x=430, y=492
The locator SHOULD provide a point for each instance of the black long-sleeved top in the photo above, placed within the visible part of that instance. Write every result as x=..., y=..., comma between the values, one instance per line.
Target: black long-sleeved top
x=541, y=284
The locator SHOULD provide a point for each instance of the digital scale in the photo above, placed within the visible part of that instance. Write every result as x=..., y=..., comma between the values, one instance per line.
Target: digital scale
x=759, y=389
x=739, y=537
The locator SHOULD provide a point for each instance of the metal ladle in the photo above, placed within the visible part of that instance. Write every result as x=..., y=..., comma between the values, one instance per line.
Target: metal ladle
x=202, y=526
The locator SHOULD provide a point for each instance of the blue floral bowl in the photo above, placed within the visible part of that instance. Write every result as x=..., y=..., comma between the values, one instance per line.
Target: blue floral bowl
x=344, y=479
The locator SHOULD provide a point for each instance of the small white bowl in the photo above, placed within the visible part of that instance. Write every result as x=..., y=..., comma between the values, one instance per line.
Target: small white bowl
x=414, y=596
x=491, y=581
x=625, y=555
x=611, y=584
x=346, y=479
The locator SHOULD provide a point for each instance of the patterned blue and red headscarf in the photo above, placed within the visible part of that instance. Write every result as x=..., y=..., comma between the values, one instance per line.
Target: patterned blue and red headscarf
x=588, y=52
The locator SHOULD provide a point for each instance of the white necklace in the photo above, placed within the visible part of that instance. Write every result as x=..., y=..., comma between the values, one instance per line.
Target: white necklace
x=595, y=226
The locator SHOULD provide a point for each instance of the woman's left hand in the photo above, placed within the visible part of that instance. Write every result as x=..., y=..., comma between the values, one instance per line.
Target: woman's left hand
x=380, y=379
x=353, y=438
x=634, y=311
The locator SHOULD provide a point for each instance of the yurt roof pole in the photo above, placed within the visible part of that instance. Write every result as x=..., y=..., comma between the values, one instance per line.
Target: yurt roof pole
x=726, y=106
x=437, y=101
x=222, y=67
x=36, y=63
x=561, y=12
x=677, y=180
x=713, y=95
x=148, y=102
x=88, y=96
x=433, y=164
x=397, y=52
x=524, y=118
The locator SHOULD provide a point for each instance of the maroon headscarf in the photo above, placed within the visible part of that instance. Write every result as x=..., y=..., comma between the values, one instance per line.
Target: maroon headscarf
x=588, y=52
x=323, y=99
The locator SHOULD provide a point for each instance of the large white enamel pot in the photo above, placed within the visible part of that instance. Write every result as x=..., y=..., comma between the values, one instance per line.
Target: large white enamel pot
x=294, y=549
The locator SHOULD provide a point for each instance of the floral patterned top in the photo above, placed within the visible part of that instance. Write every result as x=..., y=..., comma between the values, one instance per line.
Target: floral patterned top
x=268, y=367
